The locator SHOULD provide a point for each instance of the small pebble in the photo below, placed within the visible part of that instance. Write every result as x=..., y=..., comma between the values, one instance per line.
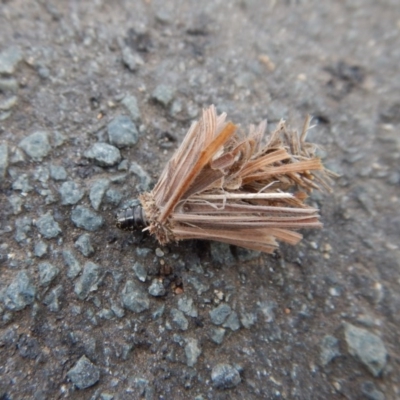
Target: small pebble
x=140, y=271
x=88, y=281
x=9, y=58
x=144, y=177
x=134, y=298
x=36, y=145
x=84, y=245
x=70, y=193
x=225, y=376
x=47, y=272
x=103, y=154
x=74, y=268
x=131, y=104
x=157, y=288
x=86, y=219
x=163, y=94
x=20, y=292
x=58, y=172
x=47, y=226
x=179, y=319
x=219, y=314
x=122, y=132
x=84, y=374
x=40, y=249
x=192, y=351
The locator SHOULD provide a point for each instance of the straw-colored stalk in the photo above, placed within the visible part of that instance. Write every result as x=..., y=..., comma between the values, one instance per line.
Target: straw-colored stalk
x=226, y=186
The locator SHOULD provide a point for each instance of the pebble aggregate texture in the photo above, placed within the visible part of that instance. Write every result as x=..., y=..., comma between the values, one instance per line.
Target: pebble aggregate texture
x=95, y=96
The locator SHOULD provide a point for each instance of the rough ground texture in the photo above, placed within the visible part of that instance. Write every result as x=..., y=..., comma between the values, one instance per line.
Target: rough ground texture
x=94, y=98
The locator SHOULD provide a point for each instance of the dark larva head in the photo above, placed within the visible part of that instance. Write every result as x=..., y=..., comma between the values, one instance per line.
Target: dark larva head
x=131, y=218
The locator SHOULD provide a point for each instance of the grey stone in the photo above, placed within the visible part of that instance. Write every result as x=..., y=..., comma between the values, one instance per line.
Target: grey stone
x=197, y=284
x=48, y=195
x=106, y=313
x=103, y=154
x=185, y=304
x=20, y=292
x=74, y=268
x=4, y=115
x=58, y=172
x=41, y=174
x=91, y=316
x=123, y=166
x=192, y=351
x=176, y=108
x=131, y=60
x=121, y=178
x=36, y=145
x=47, y=272
x=9, y=58
x=97, y=191
x=84, y=245
x=219, y=314
x=232, y=322
x=58, y=139
x=225, y=376
x=163, y=94
x=8, y=85
x=40, y=249
x=221, y=253
x=84, y=374
x=140, y=271
x=329, y=349
x=144, y=177
x=16, y=204
x=179, y=319
x=131, y=105
x=159, y=252
x=88, y=281
x=70, y=193
x=106, y=396
x=369, y=390
x=113, y=196
x=163, y=16
x=16, y=156
x=52, y=299
x=122, y=132
x=22, y=183
x=157, y=288
x=23, y=226
x=158, y=313
x=8, y=103
x=248, y=319
x=367, y=347
x=47, y=226
x=267, y=308
x=3, y=161
x=43, y=72
x=117, y=310
x=134, y=298
x=86, y=219
x=217, y=335
x=142, y=251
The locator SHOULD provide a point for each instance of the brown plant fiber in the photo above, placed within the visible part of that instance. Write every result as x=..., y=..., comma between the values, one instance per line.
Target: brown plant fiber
x=226, y=186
